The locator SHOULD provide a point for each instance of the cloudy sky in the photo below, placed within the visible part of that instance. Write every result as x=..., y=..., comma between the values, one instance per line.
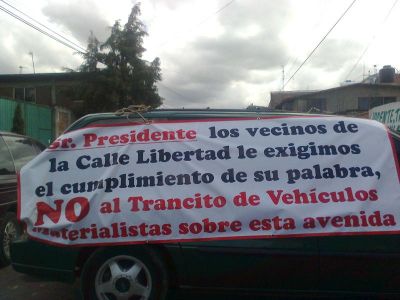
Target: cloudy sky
x=218, y=53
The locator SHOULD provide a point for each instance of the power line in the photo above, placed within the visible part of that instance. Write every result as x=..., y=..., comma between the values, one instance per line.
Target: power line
x=38, y=29
x=41, y=24
x=372, y=40
x=322, y=40
x=293, y=62
x=172, y=90
x=192, y=28
x=72, y=45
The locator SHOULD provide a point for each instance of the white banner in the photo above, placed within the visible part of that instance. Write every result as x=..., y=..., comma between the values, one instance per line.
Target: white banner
x=213, y=179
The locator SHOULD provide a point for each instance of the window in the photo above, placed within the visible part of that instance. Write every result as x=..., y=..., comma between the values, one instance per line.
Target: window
x=30, y=94
x=22, y=150
x=363, y=103
x=366, y=103
x=312, y=105
x=316, y=105
x=6, y=162
x=39, y=147
x=26, y=94
x=288, y=105
x=376, y=101
x=19, y=94
x=387, y=100
x=6, y=92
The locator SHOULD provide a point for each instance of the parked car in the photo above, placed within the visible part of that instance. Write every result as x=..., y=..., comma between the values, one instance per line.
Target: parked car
x=15, y=151
x=354, y=265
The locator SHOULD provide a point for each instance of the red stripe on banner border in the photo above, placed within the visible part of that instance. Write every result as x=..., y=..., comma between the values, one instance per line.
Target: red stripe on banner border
x=205, y=239
x=229, y=238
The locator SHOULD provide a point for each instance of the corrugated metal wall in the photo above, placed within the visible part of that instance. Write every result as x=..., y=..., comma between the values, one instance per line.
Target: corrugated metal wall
x=7, y=108
x=38, y=119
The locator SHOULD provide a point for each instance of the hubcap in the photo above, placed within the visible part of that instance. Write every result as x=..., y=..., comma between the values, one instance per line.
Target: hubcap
x=122, y=285
x=10, y=234
x=123, y=277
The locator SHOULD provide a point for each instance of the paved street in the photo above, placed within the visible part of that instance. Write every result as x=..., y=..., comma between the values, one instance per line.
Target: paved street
x=16, y=286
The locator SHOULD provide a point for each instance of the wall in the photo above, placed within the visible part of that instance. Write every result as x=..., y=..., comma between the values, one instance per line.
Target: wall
x=344, y=100
x=38, y=119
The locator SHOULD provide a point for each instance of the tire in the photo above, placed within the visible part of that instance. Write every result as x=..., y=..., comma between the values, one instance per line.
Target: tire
x=134, y=273
x=10, y=230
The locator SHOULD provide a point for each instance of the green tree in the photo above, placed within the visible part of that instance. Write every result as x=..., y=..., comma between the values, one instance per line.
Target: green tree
x=18, y=121
x=116, y=75
x=91, y=56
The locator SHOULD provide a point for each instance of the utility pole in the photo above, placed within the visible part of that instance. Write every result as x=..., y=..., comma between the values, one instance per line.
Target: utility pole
x=363, y=72
x=283, y=78
x=33, y=63
x=20, y=69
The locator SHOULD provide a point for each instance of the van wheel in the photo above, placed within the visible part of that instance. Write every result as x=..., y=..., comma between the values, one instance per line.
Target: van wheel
x=10, y=230
x=135, y=273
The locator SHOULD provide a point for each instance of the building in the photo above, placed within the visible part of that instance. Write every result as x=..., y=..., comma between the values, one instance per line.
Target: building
x=51, y=89
x=354, y=99
x=47, y=96
x=277, y=97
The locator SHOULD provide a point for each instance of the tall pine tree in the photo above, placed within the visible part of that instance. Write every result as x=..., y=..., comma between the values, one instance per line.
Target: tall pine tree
x=18, y=121
x=125, y=78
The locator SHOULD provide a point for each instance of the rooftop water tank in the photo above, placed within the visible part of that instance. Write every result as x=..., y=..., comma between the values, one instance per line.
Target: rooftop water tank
x=387, y=74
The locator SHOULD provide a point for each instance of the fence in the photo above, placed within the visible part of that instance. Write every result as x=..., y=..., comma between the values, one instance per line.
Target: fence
x=38, y=119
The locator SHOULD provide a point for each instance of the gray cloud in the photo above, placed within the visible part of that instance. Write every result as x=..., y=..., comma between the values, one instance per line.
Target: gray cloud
x=79, y=17
x=21, y=39
x=206, y=70
x=218, y=71
x=173, y=4
x=259, y=52
x=333, y=54
x=271, y=15
x=329, y=66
